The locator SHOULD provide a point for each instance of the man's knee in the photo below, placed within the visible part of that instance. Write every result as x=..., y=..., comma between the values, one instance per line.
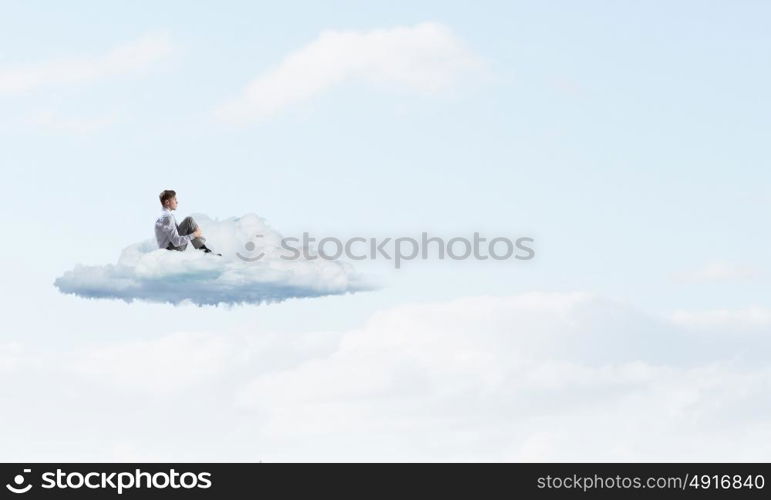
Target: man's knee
x=188, y=226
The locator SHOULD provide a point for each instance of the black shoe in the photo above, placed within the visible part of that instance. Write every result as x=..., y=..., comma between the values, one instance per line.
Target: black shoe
x=207, y=250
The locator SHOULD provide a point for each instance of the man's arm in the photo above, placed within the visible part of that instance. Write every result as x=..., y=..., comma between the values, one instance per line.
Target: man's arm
x=169, y=228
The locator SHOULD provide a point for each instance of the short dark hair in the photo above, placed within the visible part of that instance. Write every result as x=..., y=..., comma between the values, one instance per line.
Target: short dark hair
x=167, y=194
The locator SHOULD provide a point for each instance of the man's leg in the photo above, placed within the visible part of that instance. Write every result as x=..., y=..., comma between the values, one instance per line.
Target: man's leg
x=179, y=248
x=188, y=226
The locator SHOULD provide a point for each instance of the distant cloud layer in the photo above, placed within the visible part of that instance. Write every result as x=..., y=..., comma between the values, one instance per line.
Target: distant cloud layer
x=535, y=376
x=126, y=58
x=426, y=57
x=147, y=273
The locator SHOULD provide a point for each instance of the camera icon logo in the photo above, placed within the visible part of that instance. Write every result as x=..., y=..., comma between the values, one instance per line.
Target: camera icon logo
x=250, y=247
x=18, y=481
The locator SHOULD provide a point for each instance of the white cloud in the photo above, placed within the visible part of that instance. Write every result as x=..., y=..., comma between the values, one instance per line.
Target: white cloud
x=426, y=57
x=147, y=273
x=180, y=360
x=126, y=58
x=529, y=377
x=717, y=272
x=537, y=376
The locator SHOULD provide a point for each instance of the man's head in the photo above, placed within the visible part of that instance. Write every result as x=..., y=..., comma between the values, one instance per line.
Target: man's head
x=169, y=199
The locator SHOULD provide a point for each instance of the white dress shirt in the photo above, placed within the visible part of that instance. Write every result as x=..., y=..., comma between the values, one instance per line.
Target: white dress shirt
x=166, y=231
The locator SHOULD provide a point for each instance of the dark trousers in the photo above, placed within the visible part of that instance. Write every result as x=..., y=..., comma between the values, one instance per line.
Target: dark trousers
x=188, y=226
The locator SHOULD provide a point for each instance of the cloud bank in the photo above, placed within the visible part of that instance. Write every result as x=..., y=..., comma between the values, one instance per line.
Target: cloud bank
x=535, y=376
x=126, y=58
x=147, y=273
x=426, y=57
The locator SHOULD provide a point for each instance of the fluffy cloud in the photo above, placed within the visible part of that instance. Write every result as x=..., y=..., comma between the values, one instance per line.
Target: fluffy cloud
x=126, y=58
x=529, y=377
x=426, y=57
x=536, y=376
x=145, y=272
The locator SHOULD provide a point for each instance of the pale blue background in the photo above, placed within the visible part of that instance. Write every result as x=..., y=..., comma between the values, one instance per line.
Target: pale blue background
x=630, y=139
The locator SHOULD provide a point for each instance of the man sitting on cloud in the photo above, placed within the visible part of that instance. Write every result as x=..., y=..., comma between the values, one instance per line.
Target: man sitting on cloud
x=173, y=236
x=149, y=270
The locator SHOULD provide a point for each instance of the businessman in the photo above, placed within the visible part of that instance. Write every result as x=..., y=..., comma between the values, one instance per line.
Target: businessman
x=173, y=236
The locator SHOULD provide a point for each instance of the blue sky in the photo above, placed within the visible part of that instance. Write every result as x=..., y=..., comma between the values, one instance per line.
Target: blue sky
x=630, y=140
